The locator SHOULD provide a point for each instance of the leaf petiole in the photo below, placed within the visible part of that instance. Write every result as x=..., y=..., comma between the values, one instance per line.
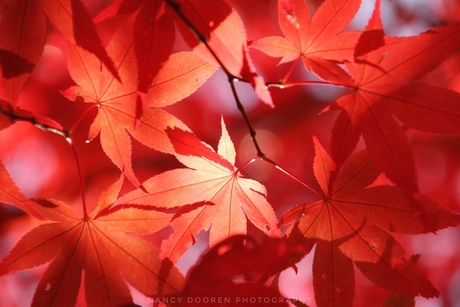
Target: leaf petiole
x=80, y=179
x=71, y=129
x=308, y=186
x=291, y=69
x=239, y=169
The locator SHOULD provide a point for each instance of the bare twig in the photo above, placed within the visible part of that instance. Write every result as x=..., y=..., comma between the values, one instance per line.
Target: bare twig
x=15, y=118
x=240, y=107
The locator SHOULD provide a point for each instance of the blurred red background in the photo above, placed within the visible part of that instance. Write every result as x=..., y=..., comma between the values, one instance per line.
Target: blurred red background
x=43, y=166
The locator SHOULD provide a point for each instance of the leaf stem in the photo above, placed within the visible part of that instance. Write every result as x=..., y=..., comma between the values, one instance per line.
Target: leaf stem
x=80, y=179
x=64, y=133
x=308, y=186
x=74, y=125
x=244, y=166
x=291, y=69
x=283, y=85
x=292, y=176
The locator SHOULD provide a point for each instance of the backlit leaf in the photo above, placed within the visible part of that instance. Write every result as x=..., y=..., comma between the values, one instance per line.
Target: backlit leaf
x=211, y=182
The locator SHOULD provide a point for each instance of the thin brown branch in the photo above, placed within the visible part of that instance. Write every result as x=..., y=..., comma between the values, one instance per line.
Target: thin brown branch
x=18, y=118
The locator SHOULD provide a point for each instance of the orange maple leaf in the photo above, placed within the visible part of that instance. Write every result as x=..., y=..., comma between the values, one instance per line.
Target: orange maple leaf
x=98, y=245
x=223, y=199
x=118, y=102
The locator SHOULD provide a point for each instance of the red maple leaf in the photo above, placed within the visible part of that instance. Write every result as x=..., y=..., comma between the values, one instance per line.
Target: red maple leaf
x=153, y=27
x=131, y=79
x=318, y=41
x=98, y=245
x=220, y=26
x=118, y=102
x=148, y=36
x=382, y=90
x=351, y=224
x=236, y=269
x=23, y=30
x=222, y=199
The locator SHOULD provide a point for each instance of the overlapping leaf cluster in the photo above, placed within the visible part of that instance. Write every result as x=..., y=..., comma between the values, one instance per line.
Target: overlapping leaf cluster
x=130, y=81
